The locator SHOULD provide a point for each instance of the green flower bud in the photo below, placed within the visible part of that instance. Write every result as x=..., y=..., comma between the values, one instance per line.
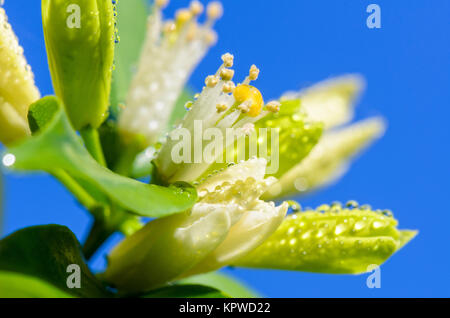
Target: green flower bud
x=331, y=239
x=79, y=35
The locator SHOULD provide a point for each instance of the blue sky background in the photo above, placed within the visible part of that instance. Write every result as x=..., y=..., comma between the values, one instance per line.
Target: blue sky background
x=296, y=43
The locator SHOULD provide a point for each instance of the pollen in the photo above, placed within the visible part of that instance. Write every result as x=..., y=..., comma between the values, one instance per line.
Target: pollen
x=273, y=106
x=196, y=8
x=250, y=98
x=214, y=10
x=228, y=60
x=254, y=73
x=228, y=87
x=183, y=16
x=211, y=81
x=161, y=3
x=221, y=108
x=226, y=74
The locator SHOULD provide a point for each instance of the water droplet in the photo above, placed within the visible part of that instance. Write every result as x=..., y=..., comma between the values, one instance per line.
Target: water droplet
x=8, y=160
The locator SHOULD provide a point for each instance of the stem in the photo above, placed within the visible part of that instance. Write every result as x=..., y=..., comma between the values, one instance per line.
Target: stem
x=92, y=142
x=98, y=234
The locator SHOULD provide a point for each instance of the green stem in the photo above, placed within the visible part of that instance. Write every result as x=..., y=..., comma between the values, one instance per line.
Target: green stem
x=93, y=145
x=98, y=234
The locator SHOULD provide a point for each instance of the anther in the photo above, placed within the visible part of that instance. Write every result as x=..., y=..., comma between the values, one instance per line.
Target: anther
x=183, y=16
x=214, y=10
x=245, y=106
x=228, y=87
x=227, y=74
x=228, y=60
x=161, y=3
x=211, y=81
x=273, y=106
x=196, y=7
x=221, y=108
x=254, y=73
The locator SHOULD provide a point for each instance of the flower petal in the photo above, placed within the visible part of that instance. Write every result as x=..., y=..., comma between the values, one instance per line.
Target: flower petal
x=328, y=160
x=331, y=101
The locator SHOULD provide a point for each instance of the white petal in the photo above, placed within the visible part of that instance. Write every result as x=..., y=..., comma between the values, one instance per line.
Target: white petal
x=331, y=101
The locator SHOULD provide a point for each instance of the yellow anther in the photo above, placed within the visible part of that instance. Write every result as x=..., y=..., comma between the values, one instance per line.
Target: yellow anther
x=221, y=108
x=254, y=73
x=273, y=106
x=196, y=7
x=211, y=81
x=228, y=60
x=227, y=74
x=183, y=16
x=161, y=3
x=214, y=10
x=211, y=37
x=228, y=87
x=250, y=97
x=245, y=106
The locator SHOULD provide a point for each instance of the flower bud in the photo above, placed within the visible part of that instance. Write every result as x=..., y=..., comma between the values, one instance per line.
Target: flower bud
x=79, y=35
x=226, y=223
x=17, y=89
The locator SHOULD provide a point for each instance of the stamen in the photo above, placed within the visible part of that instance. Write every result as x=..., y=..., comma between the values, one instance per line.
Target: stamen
x=227, y=74
x=211, y=81
x=214, y=11
x=273, y=106
x=221, y=108
x=183, y=16
x=250, y=97
x=196, y=8
x=228, y=60
x=254, y=73
x=211, y=37
x=161, y=3
x=245, y=106
x=228, y=87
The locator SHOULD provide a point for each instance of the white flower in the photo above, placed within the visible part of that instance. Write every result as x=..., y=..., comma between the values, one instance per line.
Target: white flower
x=171, y=52
x=228, y=222
x=17, y=89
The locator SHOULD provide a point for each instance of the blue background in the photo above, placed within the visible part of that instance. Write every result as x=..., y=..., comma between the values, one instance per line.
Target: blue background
x=297, y=43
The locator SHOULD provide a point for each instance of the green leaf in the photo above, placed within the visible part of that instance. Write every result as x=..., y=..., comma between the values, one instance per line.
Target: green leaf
x=330, y=240
x=222, y=282
x=13, y=285
x=186, y=291
x=57, y=147
x=33, y=257
x=131, y=23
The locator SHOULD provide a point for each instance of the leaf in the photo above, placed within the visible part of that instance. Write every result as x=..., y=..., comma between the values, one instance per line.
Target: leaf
x=332, y=240
x=57, y=147
x=222, y=282
x=186, y=291
x=13, y=285
x=37, y=256
x=131, y=23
